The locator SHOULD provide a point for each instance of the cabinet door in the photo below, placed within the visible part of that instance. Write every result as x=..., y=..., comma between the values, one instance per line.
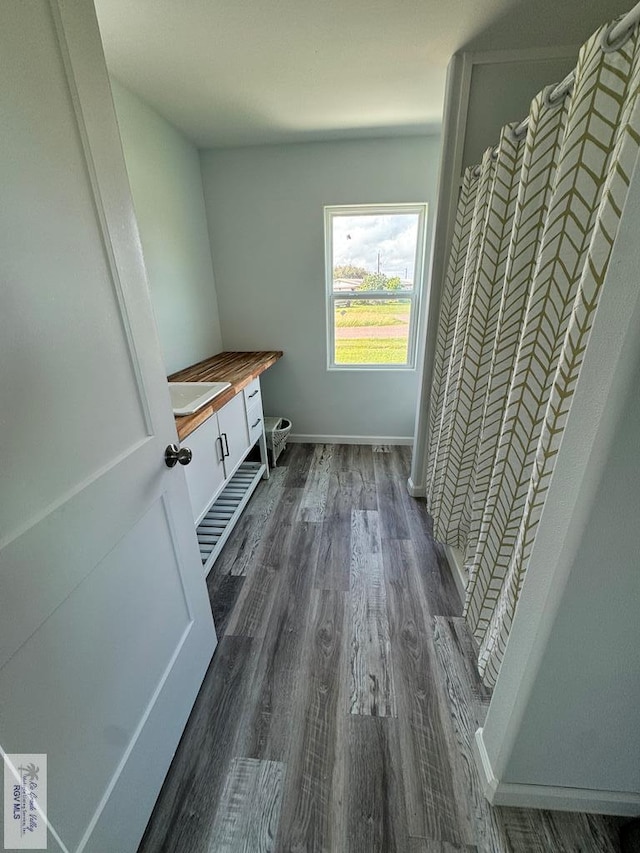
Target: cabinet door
x=252, y=394
x=256, y=423
x=234, y=433
x=205, y=475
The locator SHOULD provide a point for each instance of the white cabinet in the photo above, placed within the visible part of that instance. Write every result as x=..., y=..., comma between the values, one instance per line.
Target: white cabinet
x=234, y=434
x=256, y=425
x=253, y=395
x=218, y=446
x=220, y=483
x=255, y=419
x=205, y=475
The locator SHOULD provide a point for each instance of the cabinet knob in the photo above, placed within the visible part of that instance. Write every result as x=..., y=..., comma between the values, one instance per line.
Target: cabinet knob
x=174, y=454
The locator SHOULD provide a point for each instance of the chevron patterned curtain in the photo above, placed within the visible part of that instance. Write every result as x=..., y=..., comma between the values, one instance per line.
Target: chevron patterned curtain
x=533, y=236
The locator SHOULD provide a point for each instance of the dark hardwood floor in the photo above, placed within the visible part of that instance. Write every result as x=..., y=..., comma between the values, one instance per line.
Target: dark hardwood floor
x=339, y=709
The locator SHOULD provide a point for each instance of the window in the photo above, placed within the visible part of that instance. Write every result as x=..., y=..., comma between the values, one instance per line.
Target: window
x=374, y=263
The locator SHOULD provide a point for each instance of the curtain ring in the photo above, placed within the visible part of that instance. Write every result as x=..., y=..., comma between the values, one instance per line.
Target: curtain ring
x=549, y=101
x=609, y=46
x=518, y=130
x=495, y=152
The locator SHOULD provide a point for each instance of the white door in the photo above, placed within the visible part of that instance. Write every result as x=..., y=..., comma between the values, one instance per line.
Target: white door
x=232, y=422
x=105, y=625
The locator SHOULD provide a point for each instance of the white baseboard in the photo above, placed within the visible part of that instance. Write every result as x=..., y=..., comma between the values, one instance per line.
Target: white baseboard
x=455, y=559
x=300, y=438
x=416, y=491
x=557, y=798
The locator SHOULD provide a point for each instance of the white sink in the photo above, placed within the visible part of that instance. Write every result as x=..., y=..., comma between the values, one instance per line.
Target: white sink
x=188, y=397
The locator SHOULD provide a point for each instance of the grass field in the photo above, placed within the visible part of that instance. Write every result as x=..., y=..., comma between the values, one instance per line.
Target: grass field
x=380, y=335
x=371, y=351
x=376, y=314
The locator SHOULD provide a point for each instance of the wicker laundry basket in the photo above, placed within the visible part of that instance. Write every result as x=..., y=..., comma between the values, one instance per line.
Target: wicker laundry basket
x=276, y=431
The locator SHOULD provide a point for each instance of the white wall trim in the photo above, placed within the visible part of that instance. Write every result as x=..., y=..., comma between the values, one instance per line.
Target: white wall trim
x=416, y=491
x=456, y=104
x=455, y=558
x=531, y=54
x=300, y=438
x=547, y=796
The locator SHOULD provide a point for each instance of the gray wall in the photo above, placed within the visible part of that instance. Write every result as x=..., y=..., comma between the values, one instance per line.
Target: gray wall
x=581, y=724
x=164, y=173
x=265, y=212
x=501, y=92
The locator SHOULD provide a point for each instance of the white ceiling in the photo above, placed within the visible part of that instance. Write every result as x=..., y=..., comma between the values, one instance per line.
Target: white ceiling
x=242, y=72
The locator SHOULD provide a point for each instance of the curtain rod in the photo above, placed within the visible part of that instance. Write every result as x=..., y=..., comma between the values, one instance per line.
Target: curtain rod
x=612, y=39
x=555, y=96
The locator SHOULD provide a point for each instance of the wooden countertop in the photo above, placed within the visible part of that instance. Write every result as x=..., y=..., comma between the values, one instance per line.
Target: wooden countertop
x=239, y=368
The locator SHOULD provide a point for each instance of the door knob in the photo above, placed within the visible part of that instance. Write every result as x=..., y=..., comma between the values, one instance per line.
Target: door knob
x=174, y=454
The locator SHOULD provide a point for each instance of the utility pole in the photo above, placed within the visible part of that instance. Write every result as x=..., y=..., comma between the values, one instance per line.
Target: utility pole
x=378, y=261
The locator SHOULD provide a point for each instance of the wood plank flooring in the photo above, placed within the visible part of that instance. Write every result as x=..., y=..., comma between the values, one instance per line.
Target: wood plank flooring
x=249, y=811
x=372, y=688
x=339, y=708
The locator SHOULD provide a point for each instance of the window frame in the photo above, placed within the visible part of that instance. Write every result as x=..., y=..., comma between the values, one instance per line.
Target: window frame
x=414, y=295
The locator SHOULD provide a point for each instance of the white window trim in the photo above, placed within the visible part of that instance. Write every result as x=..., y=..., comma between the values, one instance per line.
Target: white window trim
x=415, y=295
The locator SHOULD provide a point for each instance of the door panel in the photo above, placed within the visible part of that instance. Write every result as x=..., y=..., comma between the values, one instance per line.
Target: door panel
x=109, y=679
x=61, y=540
x=105, y=624
x=64, y=382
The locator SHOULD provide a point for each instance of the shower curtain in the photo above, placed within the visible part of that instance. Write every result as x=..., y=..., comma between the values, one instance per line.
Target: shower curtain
x=535, y=225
